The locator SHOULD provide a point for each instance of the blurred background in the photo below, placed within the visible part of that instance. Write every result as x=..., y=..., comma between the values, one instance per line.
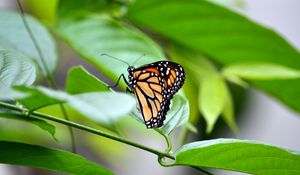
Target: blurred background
x=261, y=117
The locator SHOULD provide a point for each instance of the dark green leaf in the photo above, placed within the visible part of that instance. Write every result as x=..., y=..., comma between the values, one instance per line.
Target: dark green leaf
x=222, y=35
x=239, y=155
x=80, y=81
x=93, y=35
x=79, y=8
x=51, y=159
x=13, y=35
x=38, y=122
x=15, y=69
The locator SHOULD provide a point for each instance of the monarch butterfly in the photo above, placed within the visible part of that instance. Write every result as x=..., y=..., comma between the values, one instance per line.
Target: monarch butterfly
x=154, y=86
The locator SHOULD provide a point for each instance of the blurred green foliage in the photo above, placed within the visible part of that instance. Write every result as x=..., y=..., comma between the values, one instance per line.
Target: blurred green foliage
x=223, y=54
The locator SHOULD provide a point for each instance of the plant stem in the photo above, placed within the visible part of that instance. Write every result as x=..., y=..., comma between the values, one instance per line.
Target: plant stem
x=49, y=76
x=64, y=111
x=98, y=132
x=88, y=129
x=167, y=138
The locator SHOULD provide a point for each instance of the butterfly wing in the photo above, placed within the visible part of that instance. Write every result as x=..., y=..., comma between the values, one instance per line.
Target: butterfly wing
x=149, y=89
x=172, y=73
x=154, y=86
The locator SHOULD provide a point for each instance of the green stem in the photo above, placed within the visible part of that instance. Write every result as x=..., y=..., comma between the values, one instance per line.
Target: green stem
x=88, y=129
x=64, y=112
x=160, y=154
x=49, y=76
x=167, y=138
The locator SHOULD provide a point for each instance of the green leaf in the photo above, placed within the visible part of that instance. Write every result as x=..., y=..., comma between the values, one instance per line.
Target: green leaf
x=104, y=107
x=15, y=69
x=178, y=114
x=35, y=121
x=239, y=155
x=236, y=80
x=79, y=7
x=8, y=94
x=80, y=81
x=260, y=71
x=43, y=11
x=93, y=35
x=190, y=127
x=191, y=92
x=190, y=86
x=50, y=159
x=222, y=35
x=228, y=112
x=13, y=35
x=36, y=99
x=212, y=99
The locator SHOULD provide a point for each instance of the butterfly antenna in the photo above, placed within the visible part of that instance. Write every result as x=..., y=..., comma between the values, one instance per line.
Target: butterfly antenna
x=105, y=54
x=138, y=59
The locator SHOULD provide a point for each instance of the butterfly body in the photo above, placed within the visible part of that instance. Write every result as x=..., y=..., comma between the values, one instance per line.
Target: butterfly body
x=154, y=86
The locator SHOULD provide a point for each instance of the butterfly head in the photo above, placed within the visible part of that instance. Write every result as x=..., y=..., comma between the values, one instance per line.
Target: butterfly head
x=130, y=69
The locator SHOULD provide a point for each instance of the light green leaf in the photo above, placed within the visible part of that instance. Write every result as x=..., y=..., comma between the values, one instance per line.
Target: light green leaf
x=93, y=35
x=104, y=107
x=228, y=112
x=190, y=127
x=239, y=155
x=13, y=35
x=190, y=86
x=260, y=71
x=8, y=94
x=236, y=80
x=35, y=99
x=178, y=114
x=222, y=35
x=212, y=98
x=38, y=122
x=15, y=69
x=80, y=81
x=50, y=159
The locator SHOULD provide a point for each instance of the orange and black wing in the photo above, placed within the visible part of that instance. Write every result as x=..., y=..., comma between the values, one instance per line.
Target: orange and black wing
x=149, y=90
x=173, y=75
x=155, y=86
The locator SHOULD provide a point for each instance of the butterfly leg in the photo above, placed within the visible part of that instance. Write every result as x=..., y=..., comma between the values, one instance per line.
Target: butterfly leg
x=128, y=90
x=121, y=76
